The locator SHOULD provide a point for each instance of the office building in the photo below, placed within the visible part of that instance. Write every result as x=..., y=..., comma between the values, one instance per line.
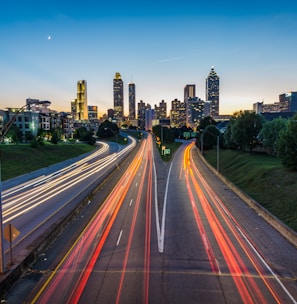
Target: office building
x=161, y=110
x=149, y=114
x=141, y=114
x=189, y=91
x=132, y=101
x=213, y=92
x=196, y=111
x=118, y=97
x=177, y=113
x=288, y=102
x=79, y=106
x=92, y=113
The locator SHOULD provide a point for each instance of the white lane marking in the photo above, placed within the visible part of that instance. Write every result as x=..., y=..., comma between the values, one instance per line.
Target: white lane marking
x=160, y=234
x=218, y=265
x=164, y=210
x=156, y=206
x=267, y=266
x=131, y=202
x=136, y=184
x=119, y=238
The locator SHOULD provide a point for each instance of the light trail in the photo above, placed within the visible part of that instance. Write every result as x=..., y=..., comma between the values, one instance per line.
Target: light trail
x=206, y=242
x=245, y=282
x=132, y=228
x=43, y=178
x=83, y=248
x=244, y=242
x=47, y=187
x=147, y=243
x=234, y=261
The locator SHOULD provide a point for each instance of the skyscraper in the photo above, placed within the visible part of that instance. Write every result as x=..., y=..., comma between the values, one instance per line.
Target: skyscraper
x=81, y=102
x=118, y=97
x=177, y=113
x=213, y=92
x=163, y=109
x=132, y=98
x=141, y=114
x=189, y=91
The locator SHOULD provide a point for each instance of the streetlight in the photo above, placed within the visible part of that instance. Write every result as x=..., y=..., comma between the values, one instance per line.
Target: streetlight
x=218, y=146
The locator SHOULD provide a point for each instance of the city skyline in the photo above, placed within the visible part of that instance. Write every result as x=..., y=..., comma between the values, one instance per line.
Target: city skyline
x=161, y=47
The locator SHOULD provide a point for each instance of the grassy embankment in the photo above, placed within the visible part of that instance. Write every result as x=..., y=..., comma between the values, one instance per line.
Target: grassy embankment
x=20, y=159
x=264, y=179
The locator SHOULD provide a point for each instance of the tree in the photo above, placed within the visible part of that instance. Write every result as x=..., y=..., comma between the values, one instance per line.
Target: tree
x=286, y=145
x=206, y=121
x=210, y=137
x=55, y=136
x=107, y=129
x=245, y=130
x=15, y=134
x=229, y=141
x=270, y=133
x=163, y=132
x=85, y=135
x=29, y=136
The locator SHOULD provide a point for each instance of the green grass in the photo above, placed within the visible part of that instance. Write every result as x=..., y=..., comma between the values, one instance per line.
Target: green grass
x=172, y=146
x=263, y=178
x=20, y=159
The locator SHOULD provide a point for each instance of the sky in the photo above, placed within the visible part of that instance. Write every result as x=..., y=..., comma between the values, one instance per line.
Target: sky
x=161, y=46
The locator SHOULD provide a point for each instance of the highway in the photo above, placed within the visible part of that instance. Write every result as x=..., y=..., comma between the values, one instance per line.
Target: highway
x=172, y=233
x=36, y=205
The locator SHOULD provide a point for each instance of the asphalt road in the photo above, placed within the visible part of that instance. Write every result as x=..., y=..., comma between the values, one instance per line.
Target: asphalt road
x=167, y=233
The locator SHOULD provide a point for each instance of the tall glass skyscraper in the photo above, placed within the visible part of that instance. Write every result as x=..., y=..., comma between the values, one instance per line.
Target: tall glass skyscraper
x=118, y=97
x=132, y=98
x=213, y=92
x=189, y=93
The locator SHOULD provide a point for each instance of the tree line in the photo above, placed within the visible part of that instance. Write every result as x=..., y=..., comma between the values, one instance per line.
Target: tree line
x=248, y=131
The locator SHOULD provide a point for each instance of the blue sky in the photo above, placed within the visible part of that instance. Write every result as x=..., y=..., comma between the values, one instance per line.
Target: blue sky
x=159, y=45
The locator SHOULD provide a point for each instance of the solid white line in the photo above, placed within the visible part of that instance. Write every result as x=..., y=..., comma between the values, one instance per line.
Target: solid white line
x=267, y=266
x=218, y=266
x=161, y=249
x=119, y=238
x=156, y=205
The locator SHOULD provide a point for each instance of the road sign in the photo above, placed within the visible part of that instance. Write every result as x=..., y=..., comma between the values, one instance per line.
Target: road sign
x=166, y=151
x=10, y=233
